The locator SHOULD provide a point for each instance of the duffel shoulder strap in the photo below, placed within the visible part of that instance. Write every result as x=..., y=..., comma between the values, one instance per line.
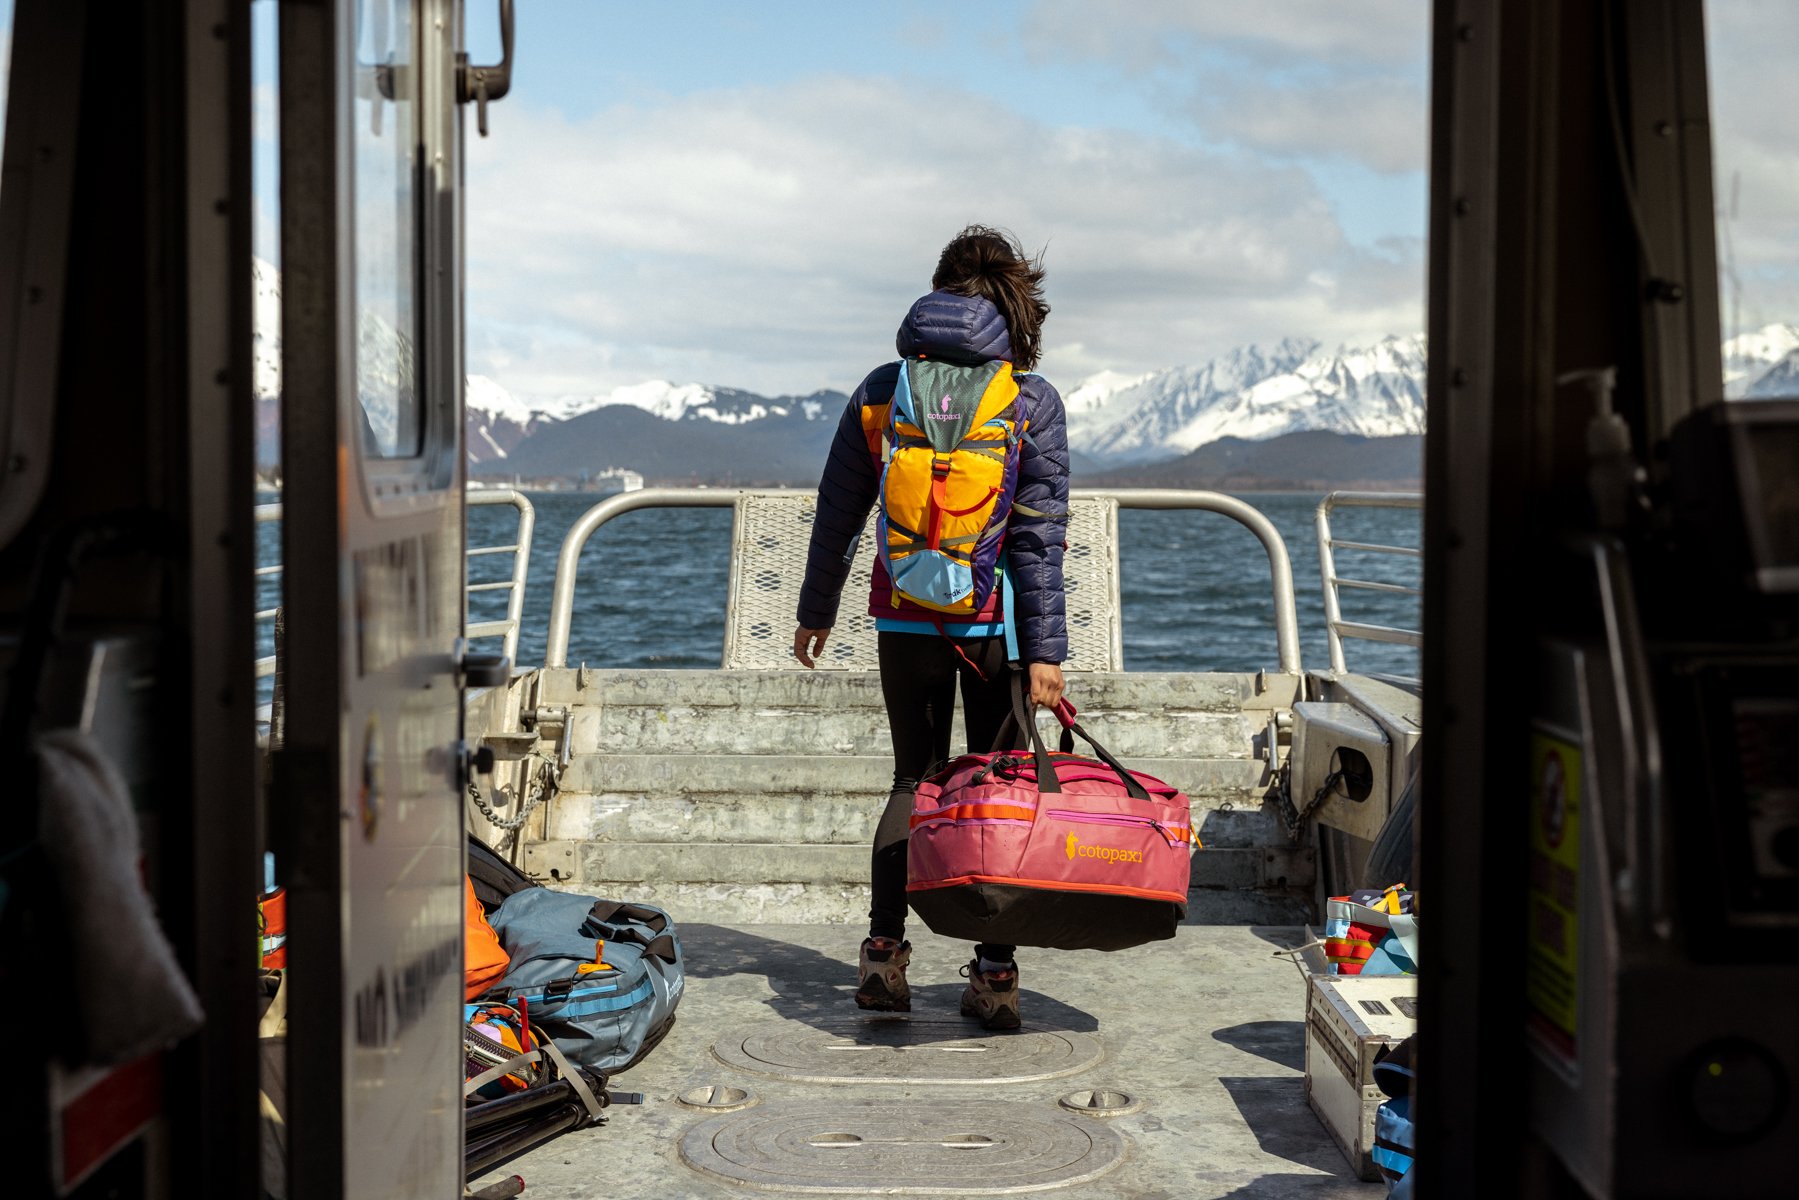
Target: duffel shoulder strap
x=1019, y=719
x=1070, y=727
x=477, y=1082
x=572, y=1073
x=610, y=912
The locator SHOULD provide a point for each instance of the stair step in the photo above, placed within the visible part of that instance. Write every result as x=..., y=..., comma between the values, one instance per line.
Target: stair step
x=770, y=799
x=1093, y=692
x=847, y=774
x=782, y=732
x=1229, y=820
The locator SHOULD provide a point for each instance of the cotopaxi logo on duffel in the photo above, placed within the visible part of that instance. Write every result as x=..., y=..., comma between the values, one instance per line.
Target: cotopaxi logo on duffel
x=1076, y=849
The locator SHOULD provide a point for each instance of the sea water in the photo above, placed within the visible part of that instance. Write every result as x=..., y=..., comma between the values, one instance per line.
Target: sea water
x=1196, y=588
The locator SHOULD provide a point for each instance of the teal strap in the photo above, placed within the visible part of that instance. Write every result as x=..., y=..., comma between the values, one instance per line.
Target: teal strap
x=1009, y=620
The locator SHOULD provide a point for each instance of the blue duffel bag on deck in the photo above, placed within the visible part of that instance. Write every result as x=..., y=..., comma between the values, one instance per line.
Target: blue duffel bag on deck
x=600, y=977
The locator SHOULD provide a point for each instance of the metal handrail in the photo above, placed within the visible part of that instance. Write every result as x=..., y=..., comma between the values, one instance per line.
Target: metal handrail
x=520, y=549
x=1336, y=628
x=507, y=628
x=1280, y=566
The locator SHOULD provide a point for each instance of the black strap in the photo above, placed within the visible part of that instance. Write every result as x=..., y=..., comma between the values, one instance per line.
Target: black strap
x=605, y=910
x=661, y=946
x=1020, y=719
x=1131, y=785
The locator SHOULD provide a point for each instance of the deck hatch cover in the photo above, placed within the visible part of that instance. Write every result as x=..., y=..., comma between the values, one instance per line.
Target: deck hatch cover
x=897, y=1147
x=905, y=1050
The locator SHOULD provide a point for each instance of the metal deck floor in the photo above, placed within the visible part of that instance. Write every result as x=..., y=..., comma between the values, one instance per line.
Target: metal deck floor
x=1206, y=1030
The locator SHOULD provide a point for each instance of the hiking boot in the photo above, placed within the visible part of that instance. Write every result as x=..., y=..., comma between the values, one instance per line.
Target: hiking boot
x=881, y=976
x=991, y=996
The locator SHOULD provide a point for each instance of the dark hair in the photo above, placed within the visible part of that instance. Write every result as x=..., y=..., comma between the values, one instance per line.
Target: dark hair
x=981, y=261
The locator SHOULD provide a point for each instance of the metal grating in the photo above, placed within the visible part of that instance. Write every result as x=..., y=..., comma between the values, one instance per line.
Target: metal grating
x=768, y=563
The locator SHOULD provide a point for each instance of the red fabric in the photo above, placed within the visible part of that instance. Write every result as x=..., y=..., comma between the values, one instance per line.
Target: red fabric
x=1349, y=952
x=1092, y=836
x=880, y=604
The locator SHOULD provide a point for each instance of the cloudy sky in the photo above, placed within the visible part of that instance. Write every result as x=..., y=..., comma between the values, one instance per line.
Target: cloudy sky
x=752, y=195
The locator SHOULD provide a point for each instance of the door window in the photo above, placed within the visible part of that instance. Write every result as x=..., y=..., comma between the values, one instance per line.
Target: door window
x=386, y=140
x=1754, y=92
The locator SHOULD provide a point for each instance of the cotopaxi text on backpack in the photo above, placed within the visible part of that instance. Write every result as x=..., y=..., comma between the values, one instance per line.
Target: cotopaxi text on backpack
x=949, y=466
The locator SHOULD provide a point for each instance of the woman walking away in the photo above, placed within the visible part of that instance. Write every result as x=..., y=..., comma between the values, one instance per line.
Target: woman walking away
x=964, y=456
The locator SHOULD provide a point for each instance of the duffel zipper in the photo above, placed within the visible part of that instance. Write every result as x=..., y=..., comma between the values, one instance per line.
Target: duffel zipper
x=1012, y=768
x=1086, y=818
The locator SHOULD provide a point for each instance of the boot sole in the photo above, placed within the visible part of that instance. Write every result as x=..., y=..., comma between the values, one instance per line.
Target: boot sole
x=878, y=999
x=1001, y=1021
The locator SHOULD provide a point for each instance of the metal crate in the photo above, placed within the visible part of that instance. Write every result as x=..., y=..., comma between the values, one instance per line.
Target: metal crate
x=1348, y=1019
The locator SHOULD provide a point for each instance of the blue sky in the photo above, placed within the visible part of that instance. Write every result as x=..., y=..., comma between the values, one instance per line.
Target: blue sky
x=581, y=57
x=752, y=195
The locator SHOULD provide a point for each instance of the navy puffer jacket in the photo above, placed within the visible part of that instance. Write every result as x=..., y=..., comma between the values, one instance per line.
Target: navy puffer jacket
x=970, y=330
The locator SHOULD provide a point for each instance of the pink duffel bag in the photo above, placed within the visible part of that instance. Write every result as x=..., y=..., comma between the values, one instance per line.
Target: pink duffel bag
x=1033, y=848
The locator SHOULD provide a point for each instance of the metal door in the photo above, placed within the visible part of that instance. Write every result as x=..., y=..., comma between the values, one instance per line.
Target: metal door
x=367, y=807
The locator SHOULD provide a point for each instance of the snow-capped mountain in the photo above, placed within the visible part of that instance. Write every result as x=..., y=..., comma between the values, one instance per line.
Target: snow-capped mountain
x=1764, y=363
x=499, y=422
x=266, y=326
x=1254, y=393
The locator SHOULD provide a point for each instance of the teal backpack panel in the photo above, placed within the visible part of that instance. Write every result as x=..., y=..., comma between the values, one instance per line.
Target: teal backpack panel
x=606, y=1020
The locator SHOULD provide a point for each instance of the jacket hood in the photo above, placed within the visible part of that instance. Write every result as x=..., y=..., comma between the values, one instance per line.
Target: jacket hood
x=958, y=328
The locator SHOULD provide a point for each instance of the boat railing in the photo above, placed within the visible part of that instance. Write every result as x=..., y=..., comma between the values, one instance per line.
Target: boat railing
x=762, y=643
x=519, y=547
x=1336, y=628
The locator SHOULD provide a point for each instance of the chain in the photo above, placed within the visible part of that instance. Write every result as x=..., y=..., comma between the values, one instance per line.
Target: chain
x=538, y=790
x=1295, y=819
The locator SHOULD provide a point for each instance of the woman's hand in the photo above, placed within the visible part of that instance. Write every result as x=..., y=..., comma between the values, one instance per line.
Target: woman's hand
x=1046, y=684
x=808, y=644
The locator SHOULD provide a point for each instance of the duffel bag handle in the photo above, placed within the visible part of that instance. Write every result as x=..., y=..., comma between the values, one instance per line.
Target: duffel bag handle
x=1019, y=719
x=1065, y=713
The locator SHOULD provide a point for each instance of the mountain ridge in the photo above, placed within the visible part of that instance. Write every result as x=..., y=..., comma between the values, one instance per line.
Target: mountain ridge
x=1117, y=422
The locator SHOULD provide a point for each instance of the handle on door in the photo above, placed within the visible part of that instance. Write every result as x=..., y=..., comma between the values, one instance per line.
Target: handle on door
x=478, y=670
x=482, y=84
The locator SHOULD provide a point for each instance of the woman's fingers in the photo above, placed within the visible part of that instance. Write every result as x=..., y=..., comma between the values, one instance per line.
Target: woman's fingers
x=808, y=644
x=1046, y=684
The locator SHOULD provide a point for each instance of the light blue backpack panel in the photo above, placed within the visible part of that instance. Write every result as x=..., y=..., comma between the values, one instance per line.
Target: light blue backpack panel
x=606, y=1020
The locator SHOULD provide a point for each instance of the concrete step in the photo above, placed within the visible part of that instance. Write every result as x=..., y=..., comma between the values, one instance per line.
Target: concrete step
x=793, y=732
x=1092, y=692
x=759, y=799
x=848, y=774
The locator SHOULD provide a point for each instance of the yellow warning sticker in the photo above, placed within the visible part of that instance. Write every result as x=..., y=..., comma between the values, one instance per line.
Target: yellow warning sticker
x=1552, y=966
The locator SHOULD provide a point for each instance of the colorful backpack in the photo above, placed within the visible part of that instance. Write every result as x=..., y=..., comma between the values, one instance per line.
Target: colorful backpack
x=949, y=466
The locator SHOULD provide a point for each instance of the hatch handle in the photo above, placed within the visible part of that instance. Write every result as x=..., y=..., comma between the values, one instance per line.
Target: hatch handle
x=479, y=670
x=482, y=84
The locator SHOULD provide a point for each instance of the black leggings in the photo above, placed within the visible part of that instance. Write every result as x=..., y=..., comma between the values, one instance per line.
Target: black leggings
x=919, y=673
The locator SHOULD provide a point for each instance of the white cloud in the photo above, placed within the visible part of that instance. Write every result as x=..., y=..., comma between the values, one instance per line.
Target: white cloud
x=1756, y=154
x=1305, y=78
x=1378, y=33
x=771, y=238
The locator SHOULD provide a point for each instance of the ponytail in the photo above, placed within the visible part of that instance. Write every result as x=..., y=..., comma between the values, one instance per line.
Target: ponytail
x=990, y=263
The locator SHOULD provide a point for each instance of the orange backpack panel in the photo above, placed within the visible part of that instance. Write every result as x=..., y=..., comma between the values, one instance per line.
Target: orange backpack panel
x=484, y=962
